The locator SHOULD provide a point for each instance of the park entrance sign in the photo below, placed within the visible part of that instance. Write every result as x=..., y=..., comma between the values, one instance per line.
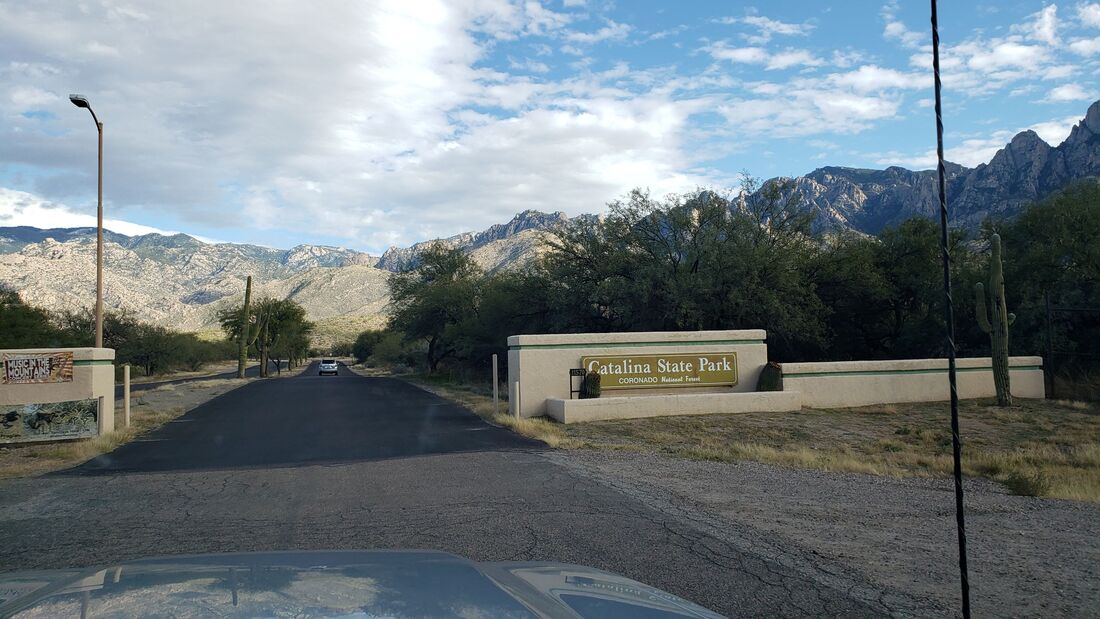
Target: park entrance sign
x=659, y=373
x=704, y=369
x=634, y=365
x=51, y=394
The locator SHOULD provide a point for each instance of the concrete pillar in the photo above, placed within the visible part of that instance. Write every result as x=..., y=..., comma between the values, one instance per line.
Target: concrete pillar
x=496, y=386
x=517, y=406
x=126, y=395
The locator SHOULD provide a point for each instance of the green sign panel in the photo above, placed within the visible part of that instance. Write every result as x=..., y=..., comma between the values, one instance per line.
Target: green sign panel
x=663, y=371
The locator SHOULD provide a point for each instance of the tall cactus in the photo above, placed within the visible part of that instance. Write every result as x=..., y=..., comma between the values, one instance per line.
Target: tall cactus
x=242, y=344
x=996, y=322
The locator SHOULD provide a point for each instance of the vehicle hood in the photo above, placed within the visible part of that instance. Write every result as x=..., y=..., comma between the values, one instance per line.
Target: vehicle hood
x=334, y=584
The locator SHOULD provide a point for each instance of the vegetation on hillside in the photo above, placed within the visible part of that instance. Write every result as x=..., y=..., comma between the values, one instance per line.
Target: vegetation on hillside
x=704, y=261
x=149, y=348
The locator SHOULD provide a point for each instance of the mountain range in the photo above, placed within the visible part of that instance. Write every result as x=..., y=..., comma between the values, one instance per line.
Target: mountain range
x=180, y=281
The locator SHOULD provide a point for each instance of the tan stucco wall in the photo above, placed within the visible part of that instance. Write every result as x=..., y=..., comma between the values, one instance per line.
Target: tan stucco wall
x=862, y=383
x=541, y=363
x=93, y=377
x=575, y=411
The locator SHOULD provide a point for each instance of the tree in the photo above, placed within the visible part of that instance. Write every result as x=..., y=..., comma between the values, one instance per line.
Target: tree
x=696, y=261
x=429, y=301
x=1051, y=249
x=278, y=329
x=365, y=343
x=26, y=326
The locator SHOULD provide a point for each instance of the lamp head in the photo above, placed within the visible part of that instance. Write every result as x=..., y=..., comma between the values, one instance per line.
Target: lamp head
x=79, y=101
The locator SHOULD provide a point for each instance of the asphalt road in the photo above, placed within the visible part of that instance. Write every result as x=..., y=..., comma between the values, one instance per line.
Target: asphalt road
x=352, y=462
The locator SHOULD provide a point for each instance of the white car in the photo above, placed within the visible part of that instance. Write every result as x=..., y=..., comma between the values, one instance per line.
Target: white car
x=329, y=366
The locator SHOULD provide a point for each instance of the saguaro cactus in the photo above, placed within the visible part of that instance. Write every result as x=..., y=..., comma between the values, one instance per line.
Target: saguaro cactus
x=591, y=386
x=242, y=344
x=996, y=322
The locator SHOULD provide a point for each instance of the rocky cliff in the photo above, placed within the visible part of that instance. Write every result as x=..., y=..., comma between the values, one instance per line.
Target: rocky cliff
x=1025, y=170
x=402, y=258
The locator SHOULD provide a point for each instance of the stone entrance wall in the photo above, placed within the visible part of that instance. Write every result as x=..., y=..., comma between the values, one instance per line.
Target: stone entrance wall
x=46, y=410
x=541, y=363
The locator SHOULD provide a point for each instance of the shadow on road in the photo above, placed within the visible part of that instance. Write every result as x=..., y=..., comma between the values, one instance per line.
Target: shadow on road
x=308, y=419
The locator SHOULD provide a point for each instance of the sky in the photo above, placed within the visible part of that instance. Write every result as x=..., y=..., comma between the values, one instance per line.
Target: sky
x=371, y=124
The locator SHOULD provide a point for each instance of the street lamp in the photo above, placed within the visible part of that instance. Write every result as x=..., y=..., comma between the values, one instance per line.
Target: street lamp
x=80, y=101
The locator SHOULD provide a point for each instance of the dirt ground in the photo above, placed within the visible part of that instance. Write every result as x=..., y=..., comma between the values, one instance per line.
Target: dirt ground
x=849, y=496
x=1029, y=557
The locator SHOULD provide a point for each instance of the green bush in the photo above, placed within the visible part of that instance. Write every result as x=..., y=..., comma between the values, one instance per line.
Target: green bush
x=341, y=349
x=364, y=344
x=394, y=352
x=1027, y=483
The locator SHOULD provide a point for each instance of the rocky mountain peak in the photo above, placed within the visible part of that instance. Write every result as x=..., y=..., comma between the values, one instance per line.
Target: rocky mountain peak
x=1092, y=118
x=1026, y=139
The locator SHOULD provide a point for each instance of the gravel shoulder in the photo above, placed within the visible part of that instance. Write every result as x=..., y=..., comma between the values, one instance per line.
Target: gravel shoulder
x=1028, y=556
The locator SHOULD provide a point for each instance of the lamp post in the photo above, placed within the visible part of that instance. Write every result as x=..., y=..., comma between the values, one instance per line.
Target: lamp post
x=80, y=101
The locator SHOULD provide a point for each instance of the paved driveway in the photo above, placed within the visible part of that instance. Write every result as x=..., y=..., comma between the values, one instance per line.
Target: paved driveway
x=353, y=462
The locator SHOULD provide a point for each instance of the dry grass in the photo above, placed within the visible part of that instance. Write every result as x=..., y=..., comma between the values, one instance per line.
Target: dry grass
x=1036, y=448
x=209, y=368
x=1039, y=448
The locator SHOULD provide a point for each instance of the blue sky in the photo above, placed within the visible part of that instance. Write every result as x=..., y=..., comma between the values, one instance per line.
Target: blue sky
x=374, y=124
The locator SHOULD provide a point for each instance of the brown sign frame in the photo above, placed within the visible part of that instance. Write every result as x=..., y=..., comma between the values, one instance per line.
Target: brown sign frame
x=605, y=383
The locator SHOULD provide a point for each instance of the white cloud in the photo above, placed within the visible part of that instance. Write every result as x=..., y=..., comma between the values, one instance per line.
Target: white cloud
x=896, y=30
x=1007, y=54
x=528, y=65
x=1068, y=92
x=846, y=58
x=746, y=55
x=1058, y=72
x=808, y=106
x=1044, y=27
x=1089, y=14
x=979, y=66
x=970, y=152
x=541, y=20
x=869, y=78
x=771, y=60
x=25, y=98
x=1054, y=132
x=766, y=28
x=613, y=31
x=668, y=32
x=1086, y=47
x=975, y=151
x=412, y=121
x=19, y=208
